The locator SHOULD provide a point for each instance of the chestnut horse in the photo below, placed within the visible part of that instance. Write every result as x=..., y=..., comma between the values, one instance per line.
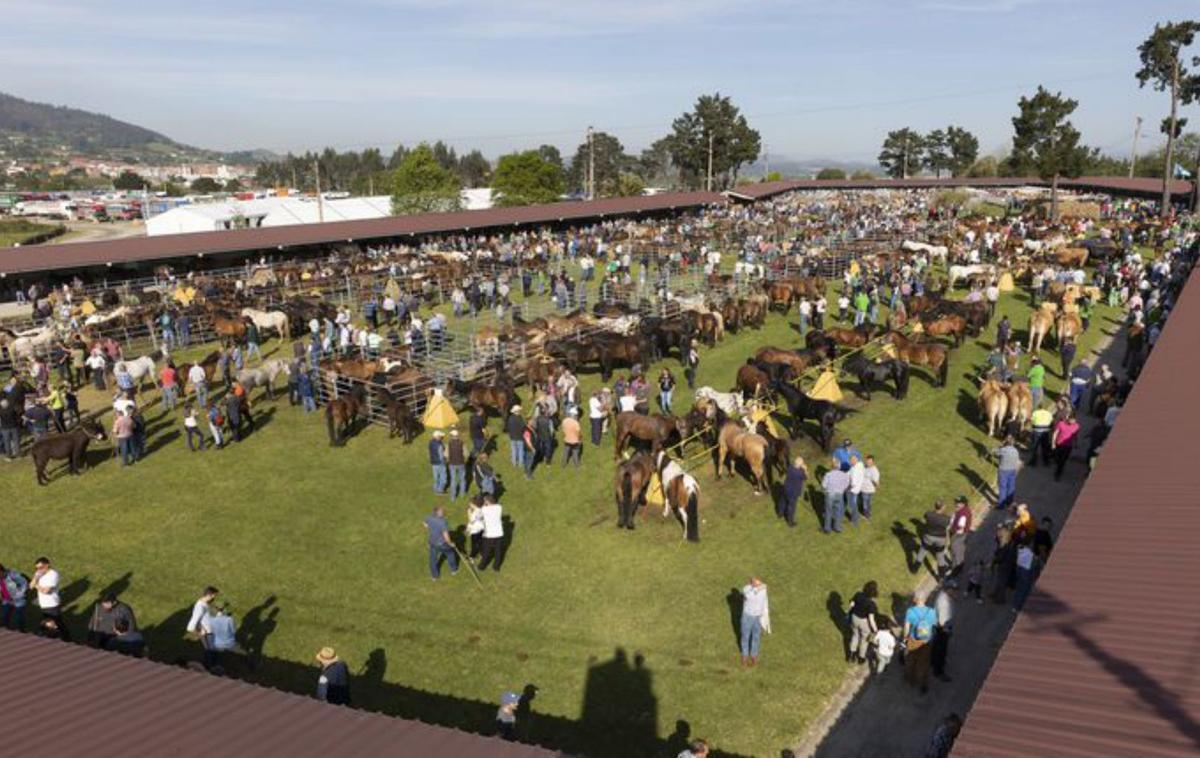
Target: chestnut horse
x=935, y=357
x=656, y=430
x=341, y=414
x=733, y=439
x=629, y=486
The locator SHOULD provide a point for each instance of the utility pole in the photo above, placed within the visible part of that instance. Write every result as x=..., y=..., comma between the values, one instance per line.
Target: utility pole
x=766, y=161
x=371, y=185
x=295, y=184
x=591, y=172
x=708, y=183
x=904, y=165
x=1196, y=183
x=1137, y=132
x=320, y=200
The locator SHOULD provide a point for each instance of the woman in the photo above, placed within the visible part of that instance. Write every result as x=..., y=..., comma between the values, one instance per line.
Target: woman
x=863, y=624
x=475, y=525
x=666, y=387
x=1062, y=440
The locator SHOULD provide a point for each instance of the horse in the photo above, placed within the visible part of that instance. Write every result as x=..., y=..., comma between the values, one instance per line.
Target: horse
x=956, y=273
x=733, y=439
x=751, y=380
x=801, y=407
x=498, y=396
x=993, y=401
x=138, y=369
x=934, y=251
x=856, y=337
x=208, y=363
x=656, y=430
x=1020, y=404
x=952, y=325
x=264, y=375
x=1075, y=257
x=69, y=446
x=400, y=417
x=932, y=355
x=275, y=320
x=867, y=371
x=341, y=414
x=28, y=343
x=730, y=403
x=1040, y=323
x=630, y=482
x=798, y=360
x=229, y=328
x=1067, y=326
x=681, y=495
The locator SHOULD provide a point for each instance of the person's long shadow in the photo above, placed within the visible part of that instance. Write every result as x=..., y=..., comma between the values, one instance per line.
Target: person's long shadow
x=620, y=712
x=735, y=600
x=816, y=496
x=908, y=542
x=976, y=481
x=510, y=531
x=981, y=449
x=837, y=614
x=159, y=441
x=257, y=625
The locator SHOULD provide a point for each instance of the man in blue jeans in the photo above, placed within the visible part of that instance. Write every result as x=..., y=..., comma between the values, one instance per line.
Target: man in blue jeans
x=755, y=618
x=834, y=483
x=440, y=545
x=1009, y=459
x=514, y=426
x=437, y=461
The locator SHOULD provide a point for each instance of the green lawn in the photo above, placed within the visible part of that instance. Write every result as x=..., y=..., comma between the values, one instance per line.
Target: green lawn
x=624, y=634
x=19, y=231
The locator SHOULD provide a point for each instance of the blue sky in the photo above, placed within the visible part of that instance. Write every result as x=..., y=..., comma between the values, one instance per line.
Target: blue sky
x=818, y=79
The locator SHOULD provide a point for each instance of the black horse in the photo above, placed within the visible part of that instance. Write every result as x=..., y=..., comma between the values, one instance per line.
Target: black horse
x=868, y=371
x=802, y=407
x=69, y=446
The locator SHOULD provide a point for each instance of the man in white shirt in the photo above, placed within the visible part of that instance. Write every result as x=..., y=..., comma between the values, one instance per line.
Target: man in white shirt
x=858, y=476
x=199, y=381
x=870, y=484
x=197, y=624
x=596, y=417
x=45, y=581
x=493, y=534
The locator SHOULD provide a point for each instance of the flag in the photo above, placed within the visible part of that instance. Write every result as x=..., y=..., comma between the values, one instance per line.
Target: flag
x=1182, y=173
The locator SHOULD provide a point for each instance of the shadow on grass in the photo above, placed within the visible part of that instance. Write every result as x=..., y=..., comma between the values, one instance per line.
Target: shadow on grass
x=908, y=542
x=837, y=614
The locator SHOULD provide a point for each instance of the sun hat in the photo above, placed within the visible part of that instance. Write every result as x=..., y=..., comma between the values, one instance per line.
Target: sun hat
x=327, y=655
x=453, y=432
x=510, y=698
x=438, y=433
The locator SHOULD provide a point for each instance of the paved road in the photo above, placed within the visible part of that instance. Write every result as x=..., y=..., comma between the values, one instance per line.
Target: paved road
x=884, y=716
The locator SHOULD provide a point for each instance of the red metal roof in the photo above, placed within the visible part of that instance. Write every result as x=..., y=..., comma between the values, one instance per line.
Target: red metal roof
x=86, y=702
x=169, y=246
x=1103, y=661
x=1151, y=188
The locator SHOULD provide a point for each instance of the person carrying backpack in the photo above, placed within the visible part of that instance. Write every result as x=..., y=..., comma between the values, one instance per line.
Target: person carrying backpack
x=919, y=623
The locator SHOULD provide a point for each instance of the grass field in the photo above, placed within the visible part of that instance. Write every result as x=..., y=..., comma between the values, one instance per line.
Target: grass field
x=20, y=231
x=628, y=637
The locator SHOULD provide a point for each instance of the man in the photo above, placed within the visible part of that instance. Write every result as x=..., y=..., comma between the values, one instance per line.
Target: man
x=960, y=530
x=199, y=381
x=793, y=490
x=572, y=438
x=842, y=455
x=1026, y=573
x=506, y=716
x=169, y=381
x=691, y=363
x=493, y=534
x=13, y=588
x=333, y=684
x=870, y=485
x=543, y=430
x=1041, y=421
x=253, y=338
x=696, y=749
x=440, y=545
x=862, y=302
x=943, y=738
x=1043, y=541
x=222, y=632
x=196, y=626
x=105, y=615
x=1009, y=463
x=992, y=294
x=862, y=621
x=943, y=606
x=10, y=429
x=919, y=622
x=834, y=483
x=127, y=640
x=437, y=461
x=45, y=582
x=1037, y=380
x=478, y=430
x=1066, y=353
x=596, y=416
x=858, y=475
x=1081, y=378
x=456, y=461
x=514, y=426
x=933, y=538
x=233, y=412
x=756, y=618
x=1003, y=333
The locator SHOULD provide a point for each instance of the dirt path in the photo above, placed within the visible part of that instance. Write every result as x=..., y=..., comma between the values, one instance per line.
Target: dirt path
x=884, y=716
x=89, y=231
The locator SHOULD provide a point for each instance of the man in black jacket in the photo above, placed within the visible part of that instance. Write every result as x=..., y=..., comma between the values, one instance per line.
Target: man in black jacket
x=102, y=627
x=515, y=428
x=10, y=429
x=933, y=538
x=333, y=685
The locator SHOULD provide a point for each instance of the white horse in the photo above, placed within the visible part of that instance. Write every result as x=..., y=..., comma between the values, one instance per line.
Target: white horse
x=30, y=342
x=934, y=251
x=731, y=403
x=1038, y=246
x=264, y=375
x=688, y=491
x=966, y=272
x=276, y=320
x=138, y=369
x=96, y=319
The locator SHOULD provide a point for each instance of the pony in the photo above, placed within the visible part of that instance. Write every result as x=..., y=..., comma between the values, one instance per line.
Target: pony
x=498, y=396
x=277, y=321
x=867, y=371
x=630, y=482
x=681, y=495
x=656, y=430
x=400, y=417
x=264, y=375
x=801, y=407
x=936, y=357
x=341, y=414
x=952, y=325
x=993, y=401
x=752, y=380
x=69, y=446
x=139, y=369
x=798, y=360
x=734, y=440
x=730, y=403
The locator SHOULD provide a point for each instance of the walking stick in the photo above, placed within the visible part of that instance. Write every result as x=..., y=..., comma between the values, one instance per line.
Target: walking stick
x=470, y=565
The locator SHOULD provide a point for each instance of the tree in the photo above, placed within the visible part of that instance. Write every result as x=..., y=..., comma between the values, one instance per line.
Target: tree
x=526, y=178
x=233, y=185
x=627, y=185
x=936, y=155
x=129, y=180
x=551, y=154
x=445, y=156
x=1163, y=69
x=774, y=176
x=205, y=185
x=713, y=127
x=171, y=189
x=474, y=170
x=862, y=175
x=422, y=185
x=1045, y=141
x=831, y=173
x=610, y=161
x=654, y=164
x=963, y=148
x=985, y=166
x=901, y=153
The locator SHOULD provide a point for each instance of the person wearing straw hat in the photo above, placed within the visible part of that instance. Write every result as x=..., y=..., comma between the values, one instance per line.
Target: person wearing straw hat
x=333, y=684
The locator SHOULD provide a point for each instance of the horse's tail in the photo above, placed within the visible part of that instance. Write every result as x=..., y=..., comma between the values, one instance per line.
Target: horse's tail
x=626, y=492
x=692, y=516
x=944, y=372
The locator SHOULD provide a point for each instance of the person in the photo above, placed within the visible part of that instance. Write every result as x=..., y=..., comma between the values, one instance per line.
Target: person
x=456, y=461
x=862, y=621
x=919, y=621
x=10, y=429
x=1009, y=463
x=215, y=423
x=870, y=485
x=196, y=627
x=168, y=379
x=695, y=749
x=691, y=363
x=1041, y=421
x=191, y=426
x=45, y=583
x=304, y=386
x=960, y=530
x=843, y=454
x=884, y=645
x=1003, y=333
x=506, y=716
x=1037, y=380
x=515, y=427
x=793, y=490
x=596, y=416
x=805, y=314
x=543, y=434
x=333, y=684
x=440, y=545
x=13, y=588
x=943, y=606
x=933, y=538
x=1082, y=377
x=834, y=484
x=1066, y=353
x=122, y=430
x=253, y=338
x=485, y=476
x=857, y=474
x=1062, y=440
x=572, y=438
x=493, y=534
x=1026, y=572
x=1043, y=541
x=942, y=742
x=127, y=640
x=221, y=630
x=756, y=618
x=475, y=526
x=666, y=388
x=975, y=580
x=105, y=614
x=477, y=428
x=199, y=381
x=97, y=365
x=819, y=309
x=437, y=461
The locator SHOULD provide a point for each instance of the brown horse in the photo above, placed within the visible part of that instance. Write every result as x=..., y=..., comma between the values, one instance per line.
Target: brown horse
x=341, y=414
x=934, y=356
x=356, y=368
x=498, y=396
x=629, y=487
x=400, y=417
x=656, y=430
x=1067, y=326
x=208, y=363
x=752, y=381
x=751, y=448
x=850, y=337
x=681, y=496
x=798, y=360
x=952, y=325
x=229, y=328
x=1040, y=323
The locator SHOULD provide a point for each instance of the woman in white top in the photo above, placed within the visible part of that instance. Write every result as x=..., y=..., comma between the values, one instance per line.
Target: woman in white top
x=475, y=525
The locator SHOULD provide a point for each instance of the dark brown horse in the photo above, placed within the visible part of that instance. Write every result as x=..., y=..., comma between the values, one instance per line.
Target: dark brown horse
x=342, y=414
x=229, y=328
x=953, y=326
x=69, y=446
x=400, y=417
x=851, y=337
x=498, y=396
x=934, y=356
x=752, y=381
x=629, y=485
x=656, y=430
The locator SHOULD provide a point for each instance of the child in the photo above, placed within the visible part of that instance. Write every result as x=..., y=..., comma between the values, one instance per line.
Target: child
x=975, y=581
x=884, y=644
